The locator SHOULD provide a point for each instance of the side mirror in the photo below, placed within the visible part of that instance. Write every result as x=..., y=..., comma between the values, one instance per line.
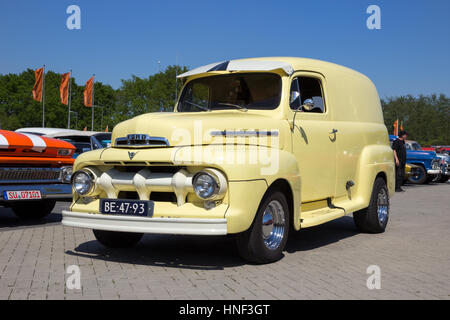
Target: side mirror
x=308, y=104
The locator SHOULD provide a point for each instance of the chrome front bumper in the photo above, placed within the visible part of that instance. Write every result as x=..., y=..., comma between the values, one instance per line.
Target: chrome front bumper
x=434, y=171
x=48, y=191
x=123, y=223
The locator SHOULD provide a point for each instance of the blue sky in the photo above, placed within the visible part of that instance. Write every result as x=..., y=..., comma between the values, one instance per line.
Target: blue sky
x=409, y=55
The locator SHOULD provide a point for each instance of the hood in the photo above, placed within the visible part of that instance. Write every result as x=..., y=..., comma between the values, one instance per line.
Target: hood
x=14, y=144
x=420, y=154
x=200, y=128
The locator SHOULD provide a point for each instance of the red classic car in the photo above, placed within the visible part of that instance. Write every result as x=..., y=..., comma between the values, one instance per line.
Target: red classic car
x=34, y=172
x=433, y=148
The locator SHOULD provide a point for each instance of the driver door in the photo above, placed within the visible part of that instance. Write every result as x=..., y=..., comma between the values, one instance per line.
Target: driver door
x=313, y=140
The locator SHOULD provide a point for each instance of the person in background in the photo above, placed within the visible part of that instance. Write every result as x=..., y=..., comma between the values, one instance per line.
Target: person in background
x=400, y=160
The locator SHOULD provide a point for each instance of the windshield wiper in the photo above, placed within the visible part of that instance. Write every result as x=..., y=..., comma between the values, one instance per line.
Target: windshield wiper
x=234, y=105
x=197, y=105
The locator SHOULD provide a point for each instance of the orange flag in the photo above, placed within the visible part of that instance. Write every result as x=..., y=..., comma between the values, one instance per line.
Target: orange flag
x=37, y=89
x=88, y=92
x=396, y=128
x=64, y=89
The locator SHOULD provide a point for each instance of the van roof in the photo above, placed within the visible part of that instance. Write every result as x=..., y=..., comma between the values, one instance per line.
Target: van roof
x=287, y=64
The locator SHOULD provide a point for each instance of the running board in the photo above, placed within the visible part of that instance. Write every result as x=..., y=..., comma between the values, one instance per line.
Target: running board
x=320, y=216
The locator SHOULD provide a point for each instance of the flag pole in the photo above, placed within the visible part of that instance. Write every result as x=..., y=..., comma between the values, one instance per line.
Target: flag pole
x=93, y=104
x=43, y=97
x=176, y=78
x=101, y=121
x=70, y=93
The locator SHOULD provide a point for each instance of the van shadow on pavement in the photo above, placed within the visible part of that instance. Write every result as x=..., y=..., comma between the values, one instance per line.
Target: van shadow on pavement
x=169, y=251
x=207, y=253
x=322, y=235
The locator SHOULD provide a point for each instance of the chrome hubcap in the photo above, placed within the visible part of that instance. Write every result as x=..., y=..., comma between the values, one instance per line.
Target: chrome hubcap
x=382, y=205
x=273, y=225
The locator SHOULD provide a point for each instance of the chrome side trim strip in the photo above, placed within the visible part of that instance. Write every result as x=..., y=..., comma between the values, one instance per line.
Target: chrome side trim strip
x=243, y=133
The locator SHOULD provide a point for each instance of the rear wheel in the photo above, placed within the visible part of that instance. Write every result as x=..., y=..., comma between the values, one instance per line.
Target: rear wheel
x=265, y=240
x=374, y=219
x=114, y=239
x=33, y=209
x=420, y=177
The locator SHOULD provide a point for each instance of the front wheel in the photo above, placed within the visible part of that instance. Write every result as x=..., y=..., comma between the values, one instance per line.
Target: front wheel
x=374, y=219
x=265, y=240
x=420, y=177
x=29, y=210
x=114, y=239
x=443, y=179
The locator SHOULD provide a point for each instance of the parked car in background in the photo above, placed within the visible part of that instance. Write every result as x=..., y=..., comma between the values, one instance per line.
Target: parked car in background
x=444, y=157
x=429, y=165
x=445, y=149
x=43, y=131
x=34, y=172
x=82, y=140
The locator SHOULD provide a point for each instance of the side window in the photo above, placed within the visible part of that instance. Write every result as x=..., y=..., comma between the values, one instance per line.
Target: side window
x=294, y=96
x=311, y=88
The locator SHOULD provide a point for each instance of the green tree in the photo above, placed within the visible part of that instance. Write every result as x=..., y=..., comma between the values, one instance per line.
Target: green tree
x=425, y=118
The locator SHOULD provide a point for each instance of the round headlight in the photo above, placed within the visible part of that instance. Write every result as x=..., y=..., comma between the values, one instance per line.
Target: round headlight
x=205, y=185
x=82, y=182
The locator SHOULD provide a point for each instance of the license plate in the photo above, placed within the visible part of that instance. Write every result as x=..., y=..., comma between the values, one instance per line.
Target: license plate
x=22, y=195
x=127, y=207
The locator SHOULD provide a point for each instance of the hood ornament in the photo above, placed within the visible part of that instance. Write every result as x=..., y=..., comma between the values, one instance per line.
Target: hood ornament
x=131, y=155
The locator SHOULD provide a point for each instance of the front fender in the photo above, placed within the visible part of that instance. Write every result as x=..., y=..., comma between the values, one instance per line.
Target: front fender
x=248, y=163
x=424, y=164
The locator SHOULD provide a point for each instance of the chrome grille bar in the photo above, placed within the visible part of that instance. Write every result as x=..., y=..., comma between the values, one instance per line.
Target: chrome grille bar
x=29, y=175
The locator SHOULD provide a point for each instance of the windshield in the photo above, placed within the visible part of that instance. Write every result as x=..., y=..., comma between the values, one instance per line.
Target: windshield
x=232, y=91
x=102, y=140
x=416, y=147
x=80, y=147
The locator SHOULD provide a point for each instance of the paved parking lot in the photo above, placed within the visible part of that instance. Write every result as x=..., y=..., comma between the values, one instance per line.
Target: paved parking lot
x=325, y=262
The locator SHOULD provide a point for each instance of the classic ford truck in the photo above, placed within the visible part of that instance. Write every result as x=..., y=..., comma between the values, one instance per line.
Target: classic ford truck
x=34, y=173
x=256, y=148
